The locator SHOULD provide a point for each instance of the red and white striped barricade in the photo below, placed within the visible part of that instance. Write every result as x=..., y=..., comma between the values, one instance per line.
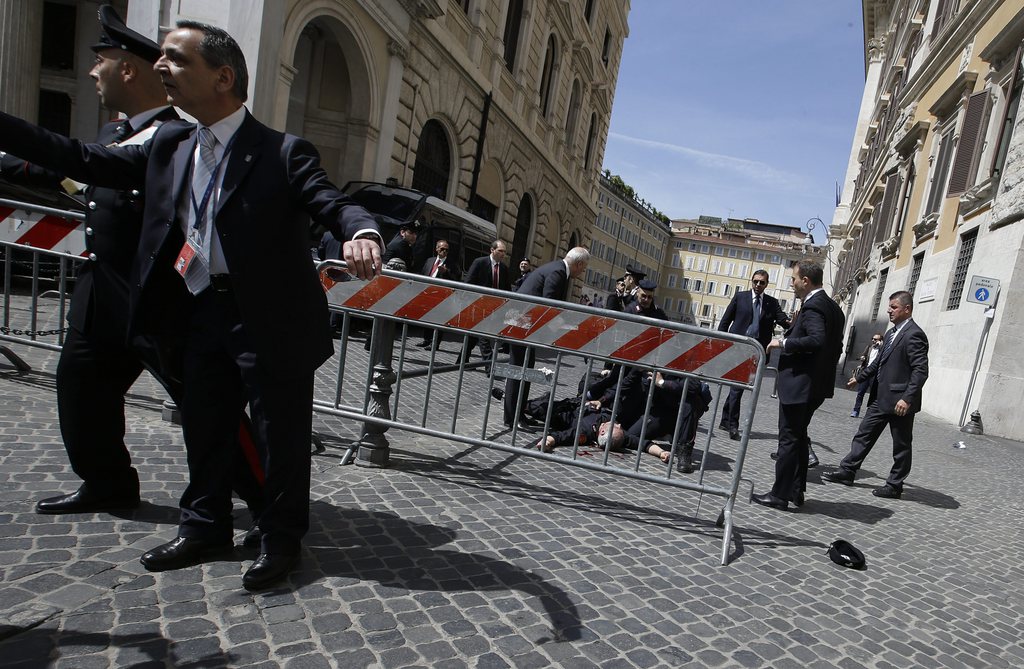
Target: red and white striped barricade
x=701, y=355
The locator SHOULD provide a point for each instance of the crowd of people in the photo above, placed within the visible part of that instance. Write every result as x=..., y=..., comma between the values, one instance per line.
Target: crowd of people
x=199, y=271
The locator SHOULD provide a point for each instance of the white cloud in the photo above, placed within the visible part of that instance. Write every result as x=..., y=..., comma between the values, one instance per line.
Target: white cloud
x=752, y=170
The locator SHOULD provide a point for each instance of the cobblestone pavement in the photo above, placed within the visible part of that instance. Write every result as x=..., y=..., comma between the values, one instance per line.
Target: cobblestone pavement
x=457, y=556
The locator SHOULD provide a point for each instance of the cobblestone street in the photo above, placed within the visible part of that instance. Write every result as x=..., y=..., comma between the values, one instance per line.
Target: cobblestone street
x=458, y=556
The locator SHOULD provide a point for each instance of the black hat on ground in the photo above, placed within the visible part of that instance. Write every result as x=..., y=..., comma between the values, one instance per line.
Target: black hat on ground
x=647, y=285
x=114, y=34
x=844, y=554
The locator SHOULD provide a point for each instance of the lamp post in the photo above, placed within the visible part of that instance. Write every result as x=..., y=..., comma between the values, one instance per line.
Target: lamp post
x=813, y=223
x=618, y=234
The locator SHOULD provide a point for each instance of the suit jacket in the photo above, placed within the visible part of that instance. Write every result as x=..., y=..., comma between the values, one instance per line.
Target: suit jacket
x=900, y=373
x=480, y=274
x=550, y=280
x=813, y=343
x=272, y=185
x=617, y=302
x=113, y=222
x=654, y=311
x=449, y=270
x=739, y=315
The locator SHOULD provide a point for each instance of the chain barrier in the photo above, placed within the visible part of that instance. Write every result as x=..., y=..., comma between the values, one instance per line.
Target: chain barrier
x=31, y=333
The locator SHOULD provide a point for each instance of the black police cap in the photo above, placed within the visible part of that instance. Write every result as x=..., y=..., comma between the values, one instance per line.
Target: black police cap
x=647, y=285
x=635, y=273
x=114, y=34
x=844, y=554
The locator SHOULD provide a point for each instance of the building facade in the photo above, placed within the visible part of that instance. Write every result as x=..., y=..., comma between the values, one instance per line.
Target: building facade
x=710, y=259
x=498, y=106
x=934, y=196
x=627, y=232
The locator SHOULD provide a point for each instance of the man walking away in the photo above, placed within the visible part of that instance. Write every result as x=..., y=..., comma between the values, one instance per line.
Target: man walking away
x=896, y=376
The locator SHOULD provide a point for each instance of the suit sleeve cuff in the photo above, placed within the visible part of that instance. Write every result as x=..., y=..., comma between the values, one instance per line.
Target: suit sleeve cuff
x=369, y=233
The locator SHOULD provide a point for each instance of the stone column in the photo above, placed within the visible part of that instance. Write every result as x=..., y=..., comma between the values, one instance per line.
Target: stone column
x=21, y=34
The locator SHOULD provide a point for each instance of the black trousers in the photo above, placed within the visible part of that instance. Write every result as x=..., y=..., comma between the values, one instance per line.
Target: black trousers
x=93, y=375
x=517, y=356
x=221, y=374
x=731, y=410
x=902, y=430
x=794, y=446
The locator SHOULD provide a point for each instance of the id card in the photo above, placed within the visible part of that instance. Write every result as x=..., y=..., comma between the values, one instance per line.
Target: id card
x=193, y=266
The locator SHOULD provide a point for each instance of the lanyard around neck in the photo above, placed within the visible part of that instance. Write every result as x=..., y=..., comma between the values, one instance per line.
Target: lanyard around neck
x=200, y=207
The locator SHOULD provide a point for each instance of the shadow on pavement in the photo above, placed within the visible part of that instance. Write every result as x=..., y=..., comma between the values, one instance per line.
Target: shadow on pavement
x=40, y=646
x=397, y=553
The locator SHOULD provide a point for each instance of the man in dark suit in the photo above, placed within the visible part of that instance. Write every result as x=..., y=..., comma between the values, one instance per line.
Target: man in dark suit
x=643, y=303
x=439, y=266
x=807, y=370
x=488, y=271
x=525, y=267
x=866, y=358
x=97, y=366
x=753, y=314
x=401, y=246
x=551, y=281
x=896, y=376
x=250, y=312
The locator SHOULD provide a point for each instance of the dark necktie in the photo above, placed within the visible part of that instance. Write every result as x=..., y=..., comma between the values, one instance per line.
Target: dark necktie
x=494, y=275
x=889, y=336
x=755, y=322
x=437, y=264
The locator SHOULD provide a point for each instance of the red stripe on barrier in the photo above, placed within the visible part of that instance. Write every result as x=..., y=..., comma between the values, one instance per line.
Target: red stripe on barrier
x=644, y=343
x=47, y=232
x=371, y=293
x=585, y=332
x=479, y=309
x=699, y=354
x=536, y=317
x=5, y=212
x=742, y=372
x=424, y=302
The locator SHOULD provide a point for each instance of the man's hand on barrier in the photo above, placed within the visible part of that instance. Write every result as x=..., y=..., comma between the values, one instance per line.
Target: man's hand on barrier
x=363, y=257
x=594, y=404
x=773, y=344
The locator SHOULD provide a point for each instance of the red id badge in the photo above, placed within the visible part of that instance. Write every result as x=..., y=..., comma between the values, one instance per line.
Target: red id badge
x=185, y=256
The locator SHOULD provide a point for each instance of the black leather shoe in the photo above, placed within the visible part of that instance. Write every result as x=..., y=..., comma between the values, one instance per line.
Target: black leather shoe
x=838, y=476
x=888, y=492
x=768, y=499
x=527, y=426
x=251, y=538
x=268, y=569
x=774, y=455
x=734, y=435
x=182, y=552
x=86, y=500
x=498, y=394
x=812, y=461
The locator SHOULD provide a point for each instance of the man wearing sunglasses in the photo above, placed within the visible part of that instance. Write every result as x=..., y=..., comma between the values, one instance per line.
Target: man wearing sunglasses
x=754, y=314
x=866, y=358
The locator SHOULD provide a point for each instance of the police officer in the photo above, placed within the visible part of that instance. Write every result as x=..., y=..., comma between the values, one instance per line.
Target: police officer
x=625, y=289
x=644, y=301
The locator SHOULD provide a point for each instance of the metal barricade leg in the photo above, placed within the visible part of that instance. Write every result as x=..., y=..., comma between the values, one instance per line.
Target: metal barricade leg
x=374, y=448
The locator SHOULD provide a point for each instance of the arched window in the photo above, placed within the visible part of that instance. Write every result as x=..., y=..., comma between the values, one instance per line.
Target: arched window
x=524, y=224
x=588, y=154
x=433, y=165
x=513, y=22
x=573, y=117
x=547, y=76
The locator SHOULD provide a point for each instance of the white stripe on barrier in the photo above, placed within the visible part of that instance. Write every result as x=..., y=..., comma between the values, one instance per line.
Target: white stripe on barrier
x=42, y=231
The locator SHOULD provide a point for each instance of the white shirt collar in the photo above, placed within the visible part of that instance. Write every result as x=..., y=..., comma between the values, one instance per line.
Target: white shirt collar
x=811, y=294
x=142, y=118
x=226, y=128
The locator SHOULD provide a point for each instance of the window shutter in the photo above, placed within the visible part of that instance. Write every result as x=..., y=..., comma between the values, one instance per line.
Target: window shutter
x=1013, y=83
x=970, y=142
x=892, y=187
x=940, y=17
x=941, y=172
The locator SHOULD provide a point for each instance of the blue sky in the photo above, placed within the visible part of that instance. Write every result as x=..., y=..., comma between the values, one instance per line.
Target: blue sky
x=742, y=108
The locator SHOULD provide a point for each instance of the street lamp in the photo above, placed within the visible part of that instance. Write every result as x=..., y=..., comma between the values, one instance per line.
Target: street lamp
x=809, y=244
x=618, y=233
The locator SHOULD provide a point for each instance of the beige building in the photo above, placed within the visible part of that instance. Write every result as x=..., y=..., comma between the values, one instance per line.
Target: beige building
x=934, y=196
x=498, y=106
x=627, y=232
x=712, y=258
